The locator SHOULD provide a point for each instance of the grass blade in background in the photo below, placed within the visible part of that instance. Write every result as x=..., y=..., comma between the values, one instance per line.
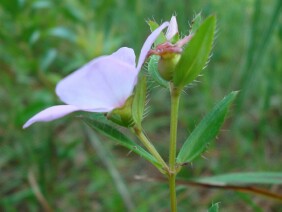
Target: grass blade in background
x=256, y=55
x=203, y=134
x=105, y=157
x=121, y=139
x=214, y=207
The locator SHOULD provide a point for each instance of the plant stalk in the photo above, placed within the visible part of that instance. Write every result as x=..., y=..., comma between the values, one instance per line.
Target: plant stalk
x=175, y=96
x=150, y=147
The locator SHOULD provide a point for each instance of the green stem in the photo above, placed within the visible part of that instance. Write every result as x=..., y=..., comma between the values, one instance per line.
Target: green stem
x=172, y=192
x=175, y=96
x=150, y=147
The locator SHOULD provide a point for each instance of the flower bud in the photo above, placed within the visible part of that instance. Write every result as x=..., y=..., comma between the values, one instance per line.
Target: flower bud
x=170, y=55
x=166, y=65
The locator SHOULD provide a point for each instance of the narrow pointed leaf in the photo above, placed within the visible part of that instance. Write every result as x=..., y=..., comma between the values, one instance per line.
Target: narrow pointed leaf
x=121, y=139
x=138, y=104
x=195, y=54
x=154, y=73
x=206, y=131
x=244, y=178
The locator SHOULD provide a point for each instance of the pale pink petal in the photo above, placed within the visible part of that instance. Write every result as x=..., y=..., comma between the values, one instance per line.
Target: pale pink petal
x=126, y=55
x=172, y=28
x=104, y=83
x=51, y=114
x=148, y=44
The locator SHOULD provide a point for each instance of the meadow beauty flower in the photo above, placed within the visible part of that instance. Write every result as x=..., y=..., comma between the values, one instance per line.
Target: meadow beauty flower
x=103, y=84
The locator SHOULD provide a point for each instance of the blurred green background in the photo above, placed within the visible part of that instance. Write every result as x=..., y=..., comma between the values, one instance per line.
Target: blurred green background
x=63, y=165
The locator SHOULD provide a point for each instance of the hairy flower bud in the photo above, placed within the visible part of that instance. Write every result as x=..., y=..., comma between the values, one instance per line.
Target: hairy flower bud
x=170, y=51
x=167, y=65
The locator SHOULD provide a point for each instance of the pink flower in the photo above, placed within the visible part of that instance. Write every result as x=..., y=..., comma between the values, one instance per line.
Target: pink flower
x=172, y=29
x=101, y=85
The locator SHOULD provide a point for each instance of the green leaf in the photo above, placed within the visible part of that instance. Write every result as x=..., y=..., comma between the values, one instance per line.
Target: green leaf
x=121, y=139
x=154, y=73
x=206, y=131
x=195, y=54
x=161, y=38
x=139, y=99
x=244, y=178
x=214, y=207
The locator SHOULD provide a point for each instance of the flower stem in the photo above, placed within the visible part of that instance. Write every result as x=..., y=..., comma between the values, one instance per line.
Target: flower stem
x=150, y=147
x=175, y=96
x=172, y=192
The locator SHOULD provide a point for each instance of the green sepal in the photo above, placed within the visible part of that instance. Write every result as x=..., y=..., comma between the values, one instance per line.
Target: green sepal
x=154, y=73
x=123, y=115
x=175, y=38
x=196, y=23
x=206, y=131
x=161, y=38
x=139, y=100
x=195, y=54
